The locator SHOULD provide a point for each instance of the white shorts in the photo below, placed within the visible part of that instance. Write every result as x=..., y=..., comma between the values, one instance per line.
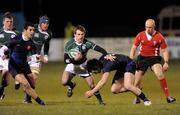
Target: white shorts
x=77, y=69
x=34, y=64
x=4, y=64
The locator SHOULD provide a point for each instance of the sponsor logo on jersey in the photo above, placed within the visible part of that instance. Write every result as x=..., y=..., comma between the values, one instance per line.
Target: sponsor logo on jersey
x=1, y=35
x=46, y=37
x=28, y=47
x=12, y=36
x=36, y=35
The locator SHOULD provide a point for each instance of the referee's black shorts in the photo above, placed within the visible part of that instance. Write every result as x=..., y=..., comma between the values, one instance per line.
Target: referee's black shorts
x=144, y=62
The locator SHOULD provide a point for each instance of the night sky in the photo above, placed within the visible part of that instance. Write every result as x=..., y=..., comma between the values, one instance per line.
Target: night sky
x=101, y=19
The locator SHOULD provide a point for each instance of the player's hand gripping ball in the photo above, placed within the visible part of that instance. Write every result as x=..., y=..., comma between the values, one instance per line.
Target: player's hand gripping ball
x=73, y=52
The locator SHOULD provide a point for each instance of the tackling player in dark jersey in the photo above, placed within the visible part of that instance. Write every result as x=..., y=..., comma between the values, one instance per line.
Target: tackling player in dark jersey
x=123, y=78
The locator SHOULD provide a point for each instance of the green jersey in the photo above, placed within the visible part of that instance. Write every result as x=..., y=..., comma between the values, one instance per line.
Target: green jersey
x=6, y=35
x=42, y=38
x=83, y=48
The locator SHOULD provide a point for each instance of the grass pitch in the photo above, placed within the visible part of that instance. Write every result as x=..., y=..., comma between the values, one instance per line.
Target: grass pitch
x=49, y=88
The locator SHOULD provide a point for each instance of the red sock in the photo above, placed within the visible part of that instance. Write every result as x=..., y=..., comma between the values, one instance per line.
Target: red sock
x=164, y=87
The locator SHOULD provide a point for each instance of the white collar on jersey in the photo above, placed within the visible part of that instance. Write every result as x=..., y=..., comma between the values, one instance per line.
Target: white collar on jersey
x=24, y=38
x=41, y=31
x=77, y=42
x=9, y=31
x=149, y=37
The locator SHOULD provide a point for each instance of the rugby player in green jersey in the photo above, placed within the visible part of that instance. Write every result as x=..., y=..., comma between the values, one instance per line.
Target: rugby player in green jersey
x=6, y=32
x=76, y=64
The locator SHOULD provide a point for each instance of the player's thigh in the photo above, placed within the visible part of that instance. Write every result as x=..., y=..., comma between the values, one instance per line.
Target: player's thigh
x=21, y=79
x=128, y=79
x=117, y=85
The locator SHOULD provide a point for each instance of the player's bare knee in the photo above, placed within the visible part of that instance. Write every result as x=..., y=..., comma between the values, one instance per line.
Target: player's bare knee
x=160, y=76
x=114, y=91
x=128, y=86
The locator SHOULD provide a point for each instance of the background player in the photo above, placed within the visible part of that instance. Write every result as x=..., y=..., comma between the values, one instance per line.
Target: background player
x=151, y=41
x=7, y=32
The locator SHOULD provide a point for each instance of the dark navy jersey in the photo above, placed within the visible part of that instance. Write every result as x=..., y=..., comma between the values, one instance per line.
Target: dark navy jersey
x=120, y=63
x=19, y=49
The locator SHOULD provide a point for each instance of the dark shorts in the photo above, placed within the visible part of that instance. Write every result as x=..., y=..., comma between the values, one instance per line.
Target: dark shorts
x=130, y=67
x=15, y=69
x=144, y=62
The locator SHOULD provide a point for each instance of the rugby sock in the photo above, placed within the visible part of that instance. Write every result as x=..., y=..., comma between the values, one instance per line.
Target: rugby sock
x=143, y=97
x=98, y=96
x=27, y=97
x=1, y=90
x=70, y=83
x=164, y=87
x=38, y=100
x=3, y=82
x=141, y=90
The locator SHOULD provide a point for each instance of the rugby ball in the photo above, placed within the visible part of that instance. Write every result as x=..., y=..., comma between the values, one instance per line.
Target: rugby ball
x=72, y=53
